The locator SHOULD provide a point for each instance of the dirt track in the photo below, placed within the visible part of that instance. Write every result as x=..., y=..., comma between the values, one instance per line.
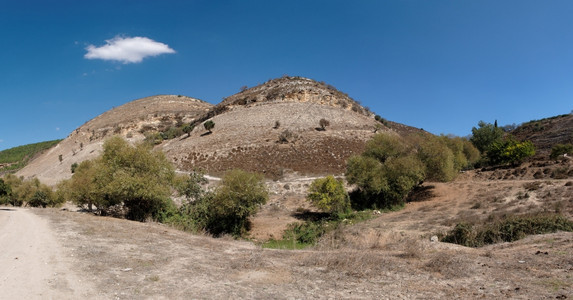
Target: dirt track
x=33, y=266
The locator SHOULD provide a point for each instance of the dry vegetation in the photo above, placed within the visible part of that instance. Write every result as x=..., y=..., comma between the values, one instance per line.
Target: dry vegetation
x=389, y=256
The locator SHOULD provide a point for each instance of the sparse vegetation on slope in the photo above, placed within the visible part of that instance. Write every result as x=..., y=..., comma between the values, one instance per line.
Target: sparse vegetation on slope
x=508, y=229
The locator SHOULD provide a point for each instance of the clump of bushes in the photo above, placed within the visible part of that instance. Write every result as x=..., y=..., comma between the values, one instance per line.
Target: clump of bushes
x=507, y=229
x=498, y=149
x=561, y=149
x=392, y=166
x=226, y=210
x=16, y=191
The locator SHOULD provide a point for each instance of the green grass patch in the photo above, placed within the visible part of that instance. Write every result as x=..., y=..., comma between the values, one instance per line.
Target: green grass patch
x=305, y=234
x=507, y=229
x=18, y=157
x=285, y=244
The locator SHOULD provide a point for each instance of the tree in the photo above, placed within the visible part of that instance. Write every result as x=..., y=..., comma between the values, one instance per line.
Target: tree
x=5, y=192
x=510, y=151
x=561, y=149
x=323, y=123
x=484, y=136
x=136, y=177
x=188, y=128
x=227, y=210
x=209, y=125
x=329, y=195
x=384, y=173
x=73, y=167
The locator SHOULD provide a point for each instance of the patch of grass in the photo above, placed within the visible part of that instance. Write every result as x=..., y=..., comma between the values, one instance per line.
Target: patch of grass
x=290, y=244
x=300, y=235
x=507, y=229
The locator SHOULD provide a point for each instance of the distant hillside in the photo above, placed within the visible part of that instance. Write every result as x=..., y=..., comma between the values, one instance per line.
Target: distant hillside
x=272, y=128
x=133, y=121
x=546, y=133
x=15, y=158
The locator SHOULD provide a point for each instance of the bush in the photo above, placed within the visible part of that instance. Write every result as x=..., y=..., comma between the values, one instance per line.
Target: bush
x=508, y=229
x=385, y=173
x=209, y=125
x=561, y=149
x=329, y=195
x=227, y=210
x=133, y=176
x=438, y=159
x=323, y=123
x=287, y=136
x=73, y=167
x=510, y=151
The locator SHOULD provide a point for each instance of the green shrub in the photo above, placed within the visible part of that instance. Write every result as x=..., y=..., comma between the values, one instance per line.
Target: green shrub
x=508, y=229
x=133, y=176
x=209, y=125
x=329, y=195
x=561, y=149
x=510, y=151
x=228, y=208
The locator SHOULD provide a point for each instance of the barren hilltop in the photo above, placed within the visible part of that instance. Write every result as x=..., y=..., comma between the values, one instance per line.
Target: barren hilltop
x=272, y=128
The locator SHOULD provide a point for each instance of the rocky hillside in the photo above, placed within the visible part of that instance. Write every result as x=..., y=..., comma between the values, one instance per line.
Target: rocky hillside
x=132, y=121
x=274, y=129
x=547, y=132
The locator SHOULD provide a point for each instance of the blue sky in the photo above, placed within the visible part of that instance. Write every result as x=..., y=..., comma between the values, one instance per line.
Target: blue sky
x=437, y=65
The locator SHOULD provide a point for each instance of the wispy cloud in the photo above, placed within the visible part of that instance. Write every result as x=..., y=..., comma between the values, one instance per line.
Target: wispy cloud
x=1, y=141
x=127, y=49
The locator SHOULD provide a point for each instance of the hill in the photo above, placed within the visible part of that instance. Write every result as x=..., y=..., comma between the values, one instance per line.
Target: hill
x=15, y=158
x=546, y=133
x=274, y=129
x=133, y=120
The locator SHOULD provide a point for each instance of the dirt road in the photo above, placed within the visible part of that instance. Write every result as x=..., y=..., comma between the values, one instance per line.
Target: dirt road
x=32, y=263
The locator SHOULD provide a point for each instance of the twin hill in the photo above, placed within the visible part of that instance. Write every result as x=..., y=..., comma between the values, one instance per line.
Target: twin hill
x=272, y=128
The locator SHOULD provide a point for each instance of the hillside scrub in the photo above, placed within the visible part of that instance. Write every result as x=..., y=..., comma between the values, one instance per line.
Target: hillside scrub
x=561, y=149
x=133, y=176
x=18, y=157
x=17, y=192
x=392, y=166
x=226, y=210
x=508, y=229
x=509, y=151
x=328, y=194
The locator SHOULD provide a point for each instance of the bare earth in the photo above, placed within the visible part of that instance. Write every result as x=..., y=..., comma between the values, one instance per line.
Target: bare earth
x=388, y=257
x=34, y=265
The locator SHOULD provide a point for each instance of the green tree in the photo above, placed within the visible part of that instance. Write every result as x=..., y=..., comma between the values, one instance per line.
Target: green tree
x=209, y=125
x=238, y=196
x=188, y=129
x=510, y=151
x=484, y=136
x=328, y=194
x=5, y=192
x=136, y=177
x=438, y=158
x=385, y=173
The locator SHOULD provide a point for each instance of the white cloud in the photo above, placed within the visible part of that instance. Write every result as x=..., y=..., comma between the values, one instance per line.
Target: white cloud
x=1, y=141
x=127, y=49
